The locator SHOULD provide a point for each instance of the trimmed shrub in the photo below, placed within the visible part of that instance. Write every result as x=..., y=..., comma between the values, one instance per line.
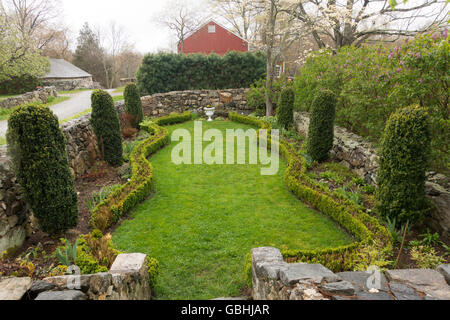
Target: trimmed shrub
x=38, y=150
x=165, y=72
x=133, y=104
x=285, y=111
x=105, y=121
x=321, y=127
x=403, y=163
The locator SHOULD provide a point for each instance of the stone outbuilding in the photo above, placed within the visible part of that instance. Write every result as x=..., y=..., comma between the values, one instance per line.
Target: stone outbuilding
x=65, y=76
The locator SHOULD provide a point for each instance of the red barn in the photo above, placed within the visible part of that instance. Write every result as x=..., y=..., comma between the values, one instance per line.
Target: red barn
x=212, y=37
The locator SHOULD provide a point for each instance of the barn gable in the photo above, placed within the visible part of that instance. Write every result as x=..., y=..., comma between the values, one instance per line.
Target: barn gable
x=213, y=38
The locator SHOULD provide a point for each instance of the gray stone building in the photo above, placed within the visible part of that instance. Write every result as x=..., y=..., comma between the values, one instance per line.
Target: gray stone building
x=65, y=76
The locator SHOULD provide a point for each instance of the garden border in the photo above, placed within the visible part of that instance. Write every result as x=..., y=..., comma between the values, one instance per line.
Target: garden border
x=364, y=228
x=140, y=185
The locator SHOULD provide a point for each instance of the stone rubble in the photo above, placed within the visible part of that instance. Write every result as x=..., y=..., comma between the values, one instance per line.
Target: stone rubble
x=127, y=279
x=274, y=279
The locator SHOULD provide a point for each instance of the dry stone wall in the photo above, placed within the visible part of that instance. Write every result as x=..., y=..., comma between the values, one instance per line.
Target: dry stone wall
x=40, y=95
x=274, y=279
x=71, y=84
x=127, y=279
x=163, y=104
x=355, y=153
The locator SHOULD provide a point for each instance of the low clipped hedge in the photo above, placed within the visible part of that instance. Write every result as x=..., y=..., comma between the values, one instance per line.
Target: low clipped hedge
x=140, y=185
x=365, y=229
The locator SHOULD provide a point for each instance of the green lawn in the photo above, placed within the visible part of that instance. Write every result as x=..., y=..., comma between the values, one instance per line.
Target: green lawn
x=117, y=98
x=119, y=90
x=203, y=220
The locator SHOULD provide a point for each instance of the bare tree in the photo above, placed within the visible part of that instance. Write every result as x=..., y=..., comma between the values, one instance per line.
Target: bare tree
x=182, y=18
x=114, y=41
x=351, y=22
x=279, y=31
x=241, y=15
x=32, y=17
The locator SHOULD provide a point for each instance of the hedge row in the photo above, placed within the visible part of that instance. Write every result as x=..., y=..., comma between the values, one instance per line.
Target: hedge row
x=140, y=185
x=165, y=72
x=365, y=229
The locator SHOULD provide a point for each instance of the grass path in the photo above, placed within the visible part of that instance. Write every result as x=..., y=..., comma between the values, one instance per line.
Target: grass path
x=203, y=220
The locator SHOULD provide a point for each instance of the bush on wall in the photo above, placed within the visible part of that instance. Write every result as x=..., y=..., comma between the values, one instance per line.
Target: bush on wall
x=133, y=104
x=38, y=150
x=105, y=121
x=372, y=82
x=165, y=72
x=285, y=111
x=403, y=164
x=321, y=127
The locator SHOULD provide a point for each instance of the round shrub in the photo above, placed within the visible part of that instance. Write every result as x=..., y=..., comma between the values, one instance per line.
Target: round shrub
x=105, y=121
x=133, y=104
x=38, y=150
x=321, y=128
x=403, y=164
x=285, y=110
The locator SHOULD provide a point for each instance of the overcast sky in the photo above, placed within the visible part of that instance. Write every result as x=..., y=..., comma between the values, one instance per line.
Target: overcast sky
x=135, y=15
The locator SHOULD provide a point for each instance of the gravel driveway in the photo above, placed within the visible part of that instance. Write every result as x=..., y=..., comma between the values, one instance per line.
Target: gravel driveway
x=78, y=102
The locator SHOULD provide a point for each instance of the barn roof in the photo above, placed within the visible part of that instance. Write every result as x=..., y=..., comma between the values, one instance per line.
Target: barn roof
x=60, y=68
x=209, y=22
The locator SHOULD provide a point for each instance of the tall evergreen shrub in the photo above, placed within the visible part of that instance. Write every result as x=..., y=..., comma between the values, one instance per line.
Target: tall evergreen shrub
x=404, y=159
x=38, y=150
x=285, y=111
x=321, y=127
x=133, y=104
x=105, y=121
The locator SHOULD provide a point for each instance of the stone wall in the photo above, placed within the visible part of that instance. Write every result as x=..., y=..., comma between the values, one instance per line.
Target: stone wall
x=162, y=104
x=40, y=95
x=355, y=153
x=82, y=149
x=14, y=212
x=274, y=279
x=127, y=279
x=70, y=84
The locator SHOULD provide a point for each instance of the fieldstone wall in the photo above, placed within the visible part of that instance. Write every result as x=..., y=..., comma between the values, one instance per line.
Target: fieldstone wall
x=163, y=104
x=70, y=84
x=127, y=279
x=274, y=279
x=40, y=95
x=355, y=153
x=82, y=148
x=14, y=212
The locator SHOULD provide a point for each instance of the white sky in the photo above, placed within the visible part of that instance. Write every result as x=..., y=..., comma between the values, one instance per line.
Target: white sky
x=134, y=15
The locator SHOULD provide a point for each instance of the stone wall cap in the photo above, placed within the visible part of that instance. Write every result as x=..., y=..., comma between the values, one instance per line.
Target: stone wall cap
x=315, y=272
x=128, y=263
